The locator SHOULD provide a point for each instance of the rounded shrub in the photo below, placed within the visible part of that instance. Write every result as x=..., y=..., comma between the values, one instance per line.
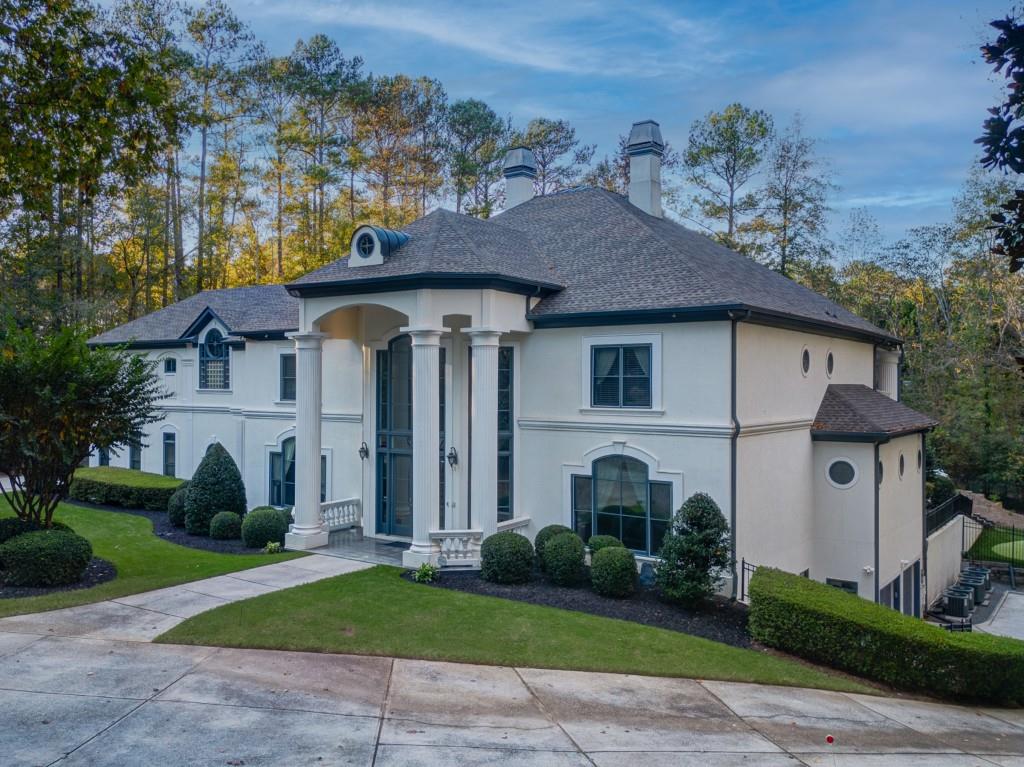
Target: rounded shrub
x=11, y=527
x=563, y=559
x=598, y=542
x=286, y=516
x=506, y=558
x=45, y=558
x=613, y=572
x=694, y=553
x=263, y=525
x=226, y=526
x=176, y=506
x=216, y=486
x=544, y=535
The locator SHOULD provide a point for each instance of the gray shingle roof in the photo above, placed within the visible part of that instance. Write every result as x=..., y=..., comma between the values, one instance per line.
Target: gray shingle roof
x=443, y=242
x=856, y=409
x=249, y=310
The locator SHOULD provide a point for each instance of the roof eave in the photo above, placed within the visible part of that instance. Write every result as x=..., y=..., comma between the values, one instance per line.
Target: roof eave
x=457, y=280
x=876, y=437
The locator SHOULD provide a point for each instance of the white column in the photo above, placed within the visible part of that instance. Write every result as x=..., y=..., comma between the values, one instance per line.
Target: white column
x=307, y=532
x=889, y=373
x=426, y=436
x=484, y=453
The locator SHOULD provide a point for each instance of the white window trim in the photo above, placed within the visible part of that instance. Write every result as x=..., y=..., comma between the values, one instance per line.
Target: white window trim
x=856, y=472
x=586, y=373
x=198, y=360
x=281, y=352
x=276, y=447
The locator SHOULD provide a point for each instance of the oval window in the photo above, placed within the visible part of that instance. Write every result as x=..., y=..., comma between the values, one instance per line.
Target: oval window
x=919, y=460
x=805, y=361
x=842, y=473
x=902, y=465
x=830, y=364
x=881, y=472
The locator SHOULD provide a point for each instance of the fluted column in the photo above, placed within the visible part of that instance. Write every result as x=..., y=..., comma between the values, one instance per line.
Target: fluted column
x=307, y=532
x=426, y=436
x=484, y=453
x=889, y=373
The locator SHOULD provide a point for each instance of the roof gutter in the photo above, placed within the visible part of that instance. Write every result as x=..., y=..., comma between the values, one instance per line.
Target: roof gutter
x=456, y=280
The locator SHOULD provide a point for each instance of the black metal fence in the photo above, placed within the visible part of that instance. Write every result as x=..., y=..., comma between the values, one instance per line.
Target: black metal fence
x=746, y=573
x=945, y=511
x=987, y=542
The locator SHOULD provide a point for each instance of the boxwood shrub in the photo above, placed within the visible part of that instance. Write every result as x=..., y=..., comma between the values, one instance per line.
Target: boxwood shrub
x=263, y=525
x=613, y=571
x=226, y=526
x=216, y=486
x=176, y=506
x=598, y=542
x=44, y=558
x=826, y=625
x=544, y=535
x=506, y=558
x=563, y=559
x=13, y=526
x=113, y=486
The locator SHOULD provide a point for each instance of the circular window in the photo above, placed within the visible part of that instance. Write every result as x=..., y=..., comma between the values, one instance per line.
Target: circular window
x=366, y=244
x=842, y=473
x=830, y=364
x=902, y=465
x=805, y=361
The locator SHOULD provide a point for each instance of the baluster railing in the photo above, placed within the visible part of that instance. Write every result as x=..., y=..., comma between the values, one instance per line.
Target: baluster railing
x=459, y=548
x=340, y=514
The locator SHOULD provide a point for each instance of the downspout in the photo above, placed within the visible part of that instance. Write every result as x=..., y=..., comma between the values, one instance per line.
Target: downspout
x=874, y=473
x=735, y=317
x=923, y=598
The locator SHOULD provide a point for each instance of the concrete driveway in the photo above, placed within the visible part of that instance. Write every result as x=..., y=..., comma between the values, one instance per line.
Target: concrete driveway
x=1008, y=617
x=83, y=701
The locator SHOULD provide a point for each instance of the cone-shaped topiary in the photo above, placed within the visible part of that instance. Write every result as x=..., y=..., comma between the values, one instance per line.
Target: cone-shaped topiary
x=216, y=486
x=694, y=553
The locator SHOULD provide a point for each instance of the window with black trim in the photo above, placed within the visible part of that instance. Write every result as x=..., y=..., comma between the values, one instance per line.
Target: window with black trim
x=214, y=362
x=902, y=465
x=287, y=388
x=619, y=499
x=805, y=361
x=830, y=364
x=620, y=376
x=842, y=473
x=848, y=586
x=282, y=475
x=135, y=453
x=170, y=366
x=170, y=462
x=505, y=433
x=104, y=457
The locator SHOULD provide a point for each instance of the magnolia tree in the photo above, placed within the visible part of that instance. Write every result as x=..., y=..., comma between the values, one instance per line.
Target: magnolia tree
x=58, y=400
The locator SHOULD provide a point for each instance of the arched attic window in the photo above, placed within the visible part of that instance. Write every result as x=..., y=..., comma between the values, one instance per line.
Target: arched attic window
x=214, y=362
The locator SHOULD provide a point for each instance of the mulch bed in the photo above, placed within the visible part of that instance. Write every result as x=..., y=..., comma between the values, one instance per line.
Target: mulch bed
x=162, y=528
x=96, y=572
x=721, y=620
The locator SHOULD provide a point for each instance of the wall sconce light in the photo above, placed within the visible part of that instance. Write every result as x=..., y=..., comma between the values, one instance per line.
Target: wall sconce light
x=453, y=457
x=364, y=452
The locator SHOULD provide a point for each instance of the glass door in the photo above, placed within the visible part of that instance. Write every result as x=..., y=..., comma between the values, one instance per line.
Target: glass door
x=394, y=438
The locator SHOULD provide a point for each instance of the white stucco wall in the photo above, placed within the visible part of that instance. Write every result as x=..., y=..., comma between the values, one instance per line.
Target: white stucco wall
x=945, y=555
x=900, y=508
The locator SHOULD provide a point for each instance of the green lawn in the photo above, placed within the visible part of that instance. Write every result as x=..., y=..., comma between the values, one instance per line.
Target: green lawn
x=143, y=561
x=376, y=612
x=126, y=477
x=999, y=545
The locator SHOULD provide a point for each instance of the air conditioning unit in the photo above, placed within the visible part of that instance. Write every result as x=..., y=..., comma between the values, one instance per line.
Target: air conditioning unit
x=964, y=591
x=957, y=605
x=984, y=572
x=975, y=582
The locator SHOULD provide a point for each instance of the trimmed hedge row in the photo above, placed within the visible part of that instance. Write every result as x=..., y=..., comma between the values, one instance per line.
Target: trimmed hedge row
x=112, y=486
x=824, y=624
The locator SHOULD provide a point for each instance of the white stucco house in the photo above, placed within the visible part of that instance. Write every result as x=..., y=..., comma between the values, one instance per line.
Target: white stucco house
x=576, y=359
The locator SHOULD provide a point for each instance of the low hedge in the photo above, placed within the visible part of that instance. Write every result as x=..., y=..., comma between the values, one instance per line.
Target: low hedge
x=826, y=625
x=112, y=486
x=544, y=535
x=263, y=525
x=14, y=526
x=226, y=526
x=45, y=558
x=598, y=542
x=506, y=558
x=613, y=572
x=563, y=559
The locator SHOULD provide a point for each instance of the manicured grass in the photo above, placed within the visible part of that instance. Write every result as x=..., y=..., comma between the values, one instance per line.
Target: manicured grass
x=143, y=561
x=127, y=477
x=999, y=545
x=376, y=612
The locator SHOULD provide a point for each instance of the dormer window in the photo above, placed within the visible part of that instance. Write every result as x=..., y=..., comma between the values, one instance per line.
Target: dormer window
x=371, y=245
x=214, y=362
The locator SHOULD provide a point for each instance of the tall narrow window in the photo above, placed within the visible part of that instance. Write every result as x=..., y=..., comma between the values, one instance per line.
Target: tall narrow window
x=170, y=366
x=620, y=500
x=506, y=418
x=282, y=475
x=620, y=376
x=214, y=362
x=135, y=453
x=170, y=462
x=287, y=377
x=104, y=457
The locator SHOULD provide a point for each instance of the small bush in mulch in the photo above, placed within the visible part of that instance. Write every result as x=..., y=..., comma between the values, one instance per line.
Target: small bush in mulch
x=225, y=526
x=96, y=572
x=263, y=525
x=613, y=572
x=543, y=536
x=44, y=558
x=506, y=558
x=176, y=506
x=563, y=559
x=598, y=542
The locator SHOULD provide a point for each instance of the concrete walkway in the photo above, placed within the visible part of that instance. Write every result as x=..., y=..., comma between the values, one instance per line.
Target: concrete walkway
x=142, y=617
x=1008, y=617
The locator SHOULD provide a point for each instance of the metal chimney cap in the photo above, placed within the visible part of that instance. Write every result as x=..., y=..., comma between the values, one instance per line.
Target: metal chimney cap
x=645, y=138
x=519, y=161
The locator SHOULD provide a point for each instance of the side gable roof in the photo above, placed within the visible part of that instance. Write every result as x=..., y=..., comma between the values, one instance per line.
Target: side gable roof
x=259, y=310
x=858, y=413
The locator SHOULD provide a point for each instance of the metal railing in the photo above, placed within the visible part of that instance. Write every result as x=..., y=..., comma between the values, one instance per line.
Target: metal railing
x=984, y=541
x=940, y=515
x=747, y=570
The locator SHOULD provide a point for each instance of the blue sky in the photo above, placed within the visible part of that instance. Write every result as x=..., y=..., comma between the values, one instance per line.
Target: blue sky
x=895, y=91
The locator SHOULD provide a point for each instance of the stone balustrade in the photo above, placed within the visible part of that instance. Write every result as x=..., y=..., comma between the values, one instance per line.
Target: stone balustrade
x=341, y=514
x=459, y=548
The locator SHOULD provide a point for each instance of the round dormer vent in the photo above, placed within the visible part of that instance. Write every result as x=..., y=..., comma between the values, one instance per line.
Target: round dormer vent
x=373, y=244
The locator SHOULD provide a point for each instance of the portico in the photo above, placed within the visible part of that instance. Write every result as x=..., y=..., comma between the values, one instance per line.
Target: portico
x=430, y=410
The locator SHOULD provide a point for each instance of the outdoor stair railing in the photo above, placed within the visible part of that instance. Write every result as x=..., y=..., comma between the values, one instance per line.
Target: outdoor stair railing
x=341, y=514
